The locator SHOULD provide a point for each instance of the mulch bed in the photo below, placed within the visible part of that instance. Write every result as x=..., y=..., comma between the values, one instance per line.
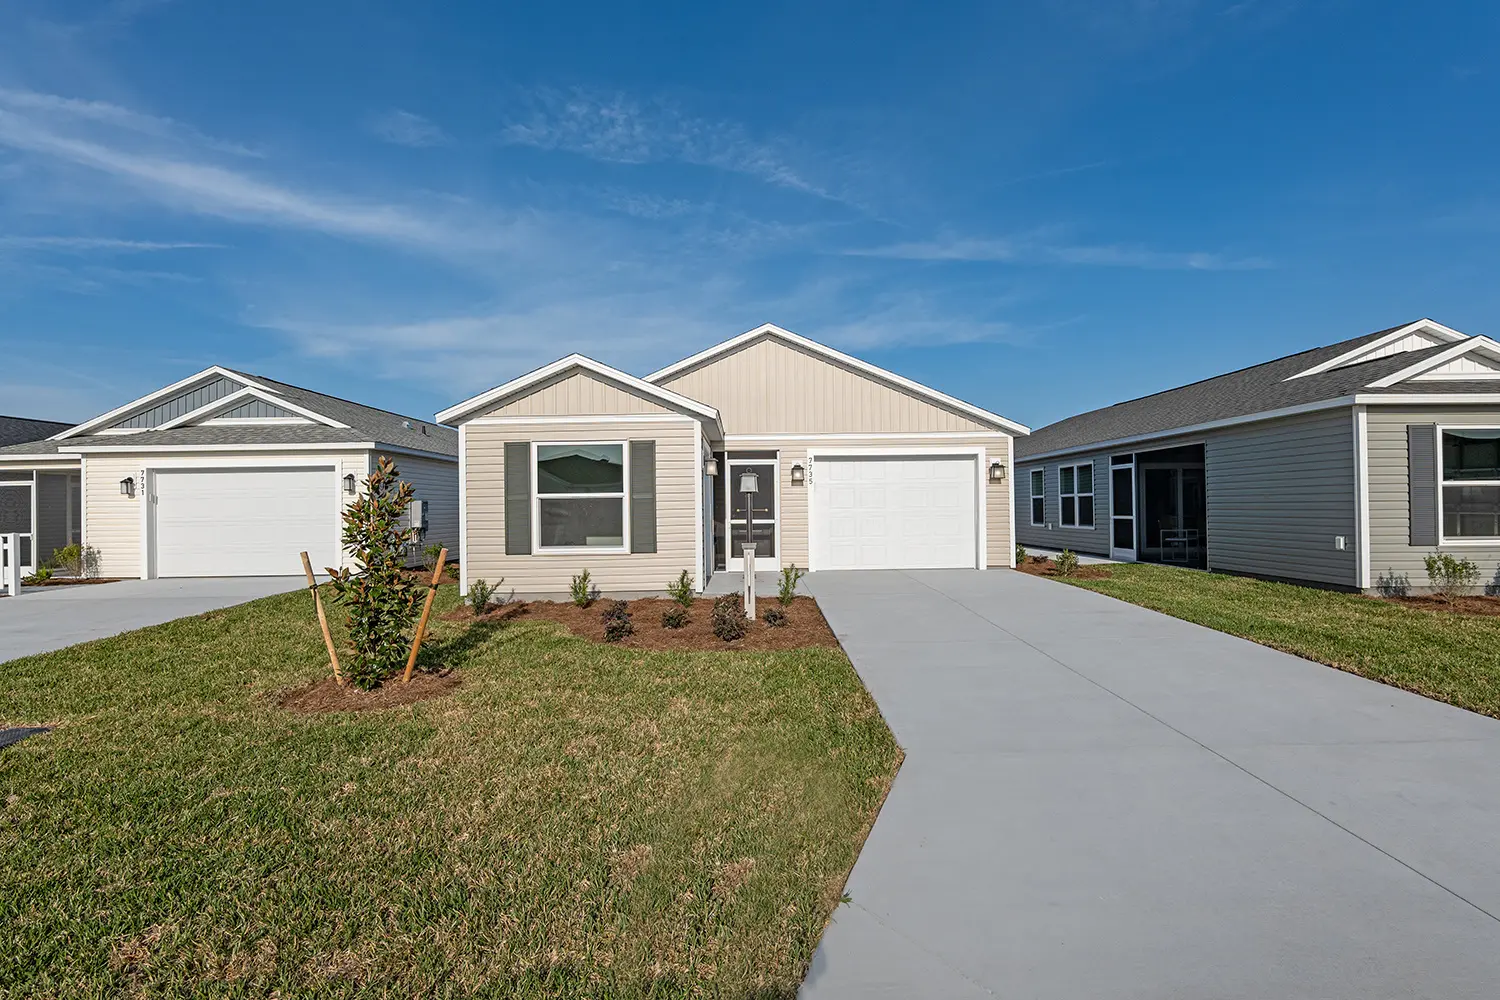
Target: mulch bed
x=1468, y=605
x=1042, y=566
x=805, y=624
x=326, y=696
x=69, y=581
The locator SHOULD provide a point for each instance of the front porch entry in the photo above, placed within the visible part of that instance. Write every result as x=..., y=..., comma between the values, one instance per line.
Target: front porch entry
x=1159, y=507
x=44, y=509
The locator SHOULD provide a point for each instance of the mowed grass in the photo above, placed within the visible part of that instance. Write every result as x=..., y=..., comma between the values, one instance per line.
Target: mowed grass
x=576, y=820
x=1445, y=655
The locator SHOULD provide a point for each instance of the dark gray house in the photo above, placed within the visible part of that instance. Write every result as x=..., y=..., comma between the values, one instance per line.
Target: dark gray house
x=1344, y=466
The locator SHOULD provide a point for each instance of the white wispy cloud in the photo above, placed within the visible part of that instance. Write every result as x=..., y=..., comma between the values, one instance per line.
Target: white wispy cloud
x=1027, y=250
x=405, y=128
x=105, y=244
x=115, y=116
x=620, y=129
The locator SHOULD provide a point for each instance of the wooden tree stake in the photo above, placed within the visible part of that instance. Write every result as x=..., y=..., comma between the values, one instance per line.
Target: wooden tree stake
x=312, y=584
x=416, y=641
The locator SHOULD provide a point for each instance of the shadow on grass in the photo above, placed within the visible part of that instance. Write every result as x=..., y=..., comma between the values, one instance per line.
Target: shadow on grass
x=439, y=654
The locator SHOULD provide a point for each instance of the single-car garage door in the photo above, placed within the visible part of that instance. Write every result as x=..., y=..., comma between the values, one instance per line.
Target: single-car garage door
x=878, y=512
x=244, y=522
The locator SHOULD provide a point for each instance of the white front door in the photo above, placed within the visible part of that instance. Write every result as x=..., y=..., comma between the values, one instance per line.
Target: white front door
x=895, y=513
x=1122, y=508
x=243, y=522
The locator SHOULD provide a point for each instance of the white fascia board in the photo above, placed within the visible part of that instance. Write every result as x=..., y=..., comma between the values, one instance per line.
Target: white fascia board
x=1171, y=432
x=26, y=461
x=1427, y=398
x=239, y=396
x=772, y=330
x=145, y=402
x=1484, y=344
x=460, y=411
x=1350, y=357
x=339, y=446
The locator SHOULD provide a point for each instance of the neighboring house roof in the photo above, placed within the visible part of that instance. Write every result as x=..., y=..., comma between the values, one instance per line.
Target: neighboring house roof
x=19, y=430
x=1301, y=380
x=492, y=398
x=322, y=419
x=838, y=357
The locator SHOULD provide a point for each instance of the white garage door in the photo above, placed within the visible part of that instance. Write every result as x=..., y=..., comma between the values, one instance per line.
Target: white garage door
x=895, y=513
x=244, y=522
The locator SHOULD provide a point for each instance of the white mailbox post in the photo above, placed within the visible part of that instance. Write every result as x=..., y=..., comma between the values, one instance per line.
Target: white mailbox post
x=10, y=564
x=750, y=580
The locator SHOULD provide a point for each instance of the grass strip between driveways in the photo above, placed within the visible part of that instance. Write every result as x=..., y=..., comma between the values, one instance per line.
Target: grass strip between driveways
x=575, y=820
x=1446, y=655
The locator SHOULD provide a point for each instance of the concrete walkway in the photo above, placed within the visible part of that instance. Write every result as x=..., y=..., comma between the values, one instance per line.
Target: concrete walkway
x=1100, y=801
x=47, y=618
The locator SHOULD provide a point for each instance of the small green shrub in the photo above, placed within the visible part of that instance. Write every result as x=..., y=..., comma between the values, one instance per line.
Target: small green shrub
x=1451, y=577
x=1020, y=554
x=381, y=600
x=79, y=561
x=43, y=573
x=583, y=590
x=774, y=617
x=786, y=587
x=617, y=621
x=681, y=590
x=1066, y=563
x=430, y=555
x=674, y=617
x=480, y=593
x=729, y=617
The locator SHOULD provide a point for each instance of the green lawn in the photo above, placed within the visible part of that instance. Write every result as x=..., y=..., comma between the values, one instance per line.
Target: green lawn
x=1441, y=654
x=576, y=820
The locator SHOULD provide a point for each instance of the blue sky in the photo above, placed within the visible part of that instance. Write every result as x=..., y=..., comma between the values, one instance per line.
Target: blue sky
x=1039, y=207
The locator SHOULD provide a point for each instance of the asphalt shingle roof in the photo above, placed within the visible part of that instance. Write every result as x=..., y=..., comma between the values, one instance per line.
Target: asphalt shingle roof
x=366, y=423
x=19, y=430
x=1236, y=394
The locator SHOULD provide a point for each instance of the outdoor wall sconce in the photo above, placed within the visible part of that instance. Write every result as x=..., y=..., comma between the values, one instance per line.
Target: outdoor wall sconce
x=349, y=484
x=127, y=487
x=997, y=472
x=749, y=483
x=711, y=467
x=799, y=474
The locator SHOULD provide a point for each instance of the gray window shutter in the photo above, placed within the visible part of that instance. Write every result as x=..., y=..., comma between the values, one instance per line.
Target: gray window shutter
x=518, y=498
x=1421, y=476
x=643, y=496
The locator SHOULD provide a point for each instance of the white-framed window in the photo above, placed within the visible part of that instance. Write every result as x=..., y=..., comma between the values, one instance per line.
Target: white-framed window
x=1075, y=489
x=1469, y=482
x=579, y=496
x=1038, y=496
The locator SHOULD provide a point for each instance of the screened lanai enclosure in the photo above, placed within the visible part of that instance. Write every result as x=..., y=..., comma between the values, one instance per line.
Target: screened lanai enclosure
x=45, y=509
x=1159, y=506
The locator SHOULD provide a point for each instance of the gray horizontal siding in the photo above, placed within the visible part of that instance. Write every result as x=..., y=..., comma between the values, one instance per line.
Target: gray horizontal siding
x=1053, y=534
x=1279, y=493
x=1392, y=556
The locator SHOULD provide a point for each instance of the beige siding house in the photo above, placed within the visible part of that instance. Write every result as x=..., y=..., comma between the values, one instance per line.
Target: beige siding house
x=580, y=466
x=221, y=474
x=1342, y=466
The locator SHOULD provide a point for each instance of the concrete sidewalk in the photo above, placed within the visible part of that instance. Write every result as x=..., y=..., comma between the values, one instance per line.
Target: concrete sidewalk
x=1101, y=801
x=47, y=618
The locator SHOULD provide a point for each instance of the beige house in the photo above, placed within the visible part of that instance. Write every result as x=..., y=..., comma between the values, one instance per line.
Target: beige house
x=220, y=474
x=578, y=466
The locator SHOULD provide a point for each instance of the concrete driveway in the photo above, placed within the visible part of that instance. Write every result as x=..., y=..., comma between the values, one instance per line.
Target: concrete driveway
x=1100, y=801
x=48, y=618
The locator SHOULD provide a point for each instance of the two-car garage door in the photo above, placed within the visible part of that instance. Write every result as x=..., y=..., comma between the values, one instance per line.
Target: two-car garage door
x=881, y=512
x=244, y=522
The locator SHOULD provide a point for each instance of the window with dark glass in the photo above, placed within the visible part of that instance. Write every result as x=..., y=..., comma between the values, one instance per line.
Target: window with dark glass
x=1471, y=483
x=1038, y=496
x=580, y=492
x=1075, y=487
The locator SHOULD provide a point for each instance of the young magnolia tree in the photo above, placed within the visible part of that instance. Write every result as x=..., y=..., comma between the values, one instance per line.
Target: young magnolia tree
x=381, y=600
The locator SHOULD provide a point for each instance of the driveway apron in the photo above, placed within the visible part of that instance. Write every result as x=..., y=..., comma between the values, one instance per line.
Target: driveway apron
x=1102, y=801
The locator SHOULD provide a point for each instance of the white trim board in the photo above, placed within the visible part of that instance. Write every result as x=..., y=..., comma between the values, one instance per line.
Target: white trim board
x=603, y=418
x=865, y=367
x=868, y=436
x=145, y=402
x=463, y=510
x=1362, y=497
x=231, y=448
x=1416, y=371
x=1352, y=357
x=239, y=396
x=490, y=397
